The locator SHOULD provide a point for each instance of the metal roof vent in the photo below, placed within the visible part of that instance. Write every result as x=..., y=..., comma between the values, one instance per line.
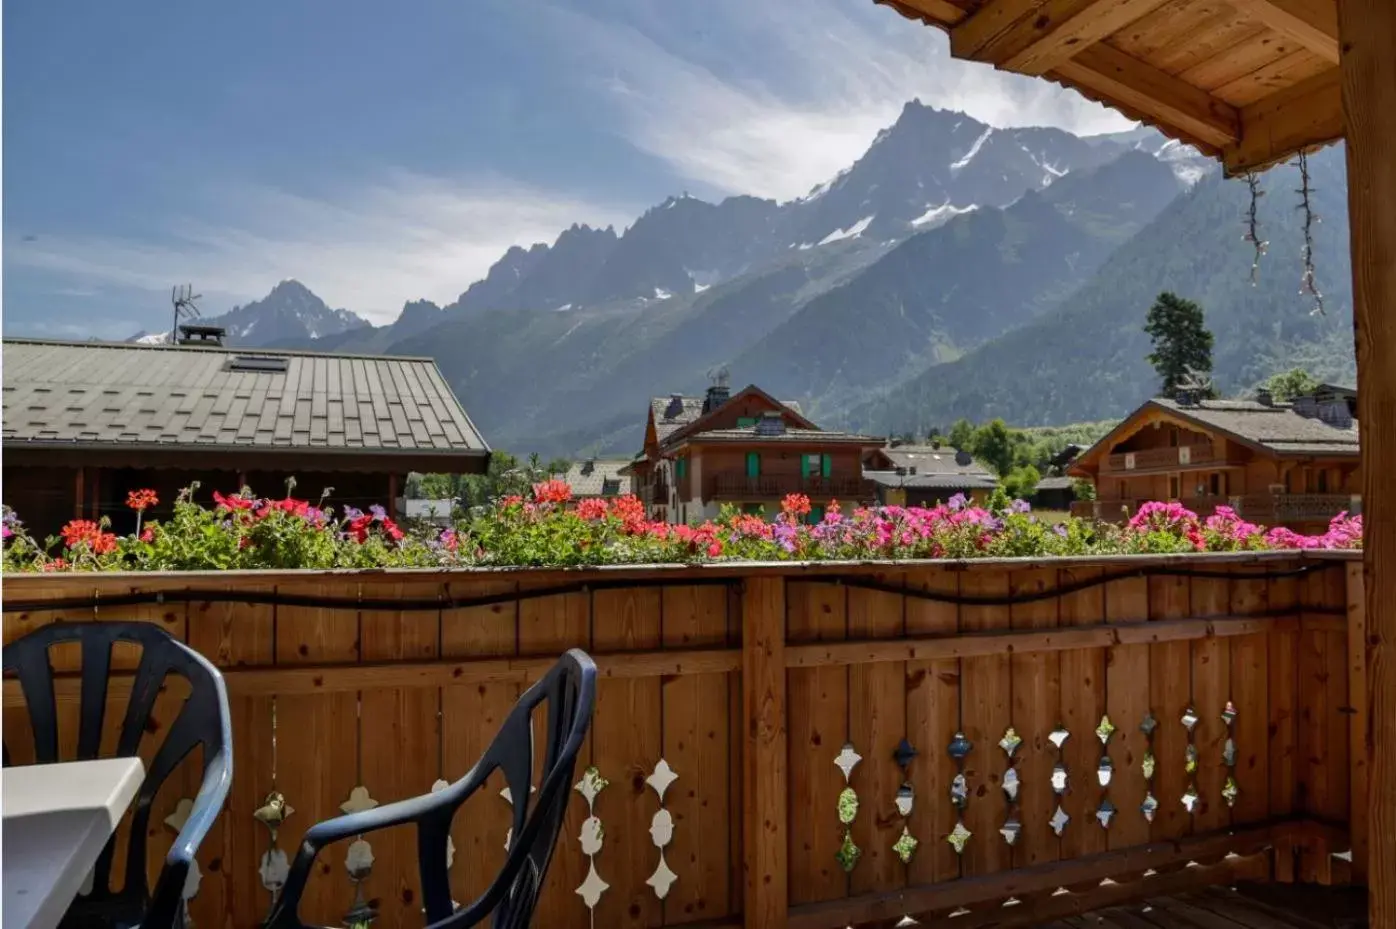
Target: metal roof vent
x=193, y=334
x=963, y=458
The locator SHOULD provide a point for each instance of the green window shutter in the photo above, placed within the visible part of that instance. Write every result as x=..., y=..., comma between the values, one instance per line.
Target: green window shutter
x=753, y=464
x=681, y=467
x=753, y=509
x=816, y=515
x=746, y=421
x=804, y=467
x=827, y=465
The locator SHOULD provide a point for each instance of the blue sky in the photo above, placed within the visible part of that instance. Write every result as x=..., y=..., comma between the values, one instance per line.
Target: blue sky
x=385, y=152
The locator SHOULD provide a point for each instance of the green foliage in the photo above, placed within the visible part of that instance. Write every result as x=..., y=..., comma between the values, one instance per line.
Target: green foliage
x=996, y=446
x=1182, y=343
x=962, y=435
x=1021, y=482
x=1287, y=385
x=1083, y=489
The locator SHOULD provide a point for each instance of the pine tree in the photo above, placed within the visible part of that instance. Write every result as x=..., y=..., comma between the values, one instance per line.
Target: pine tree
x=1182, y=342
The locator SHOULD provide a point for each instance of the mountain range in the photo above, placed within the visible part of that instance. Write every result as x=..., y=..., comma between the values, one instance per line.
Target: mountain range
x=953, y=270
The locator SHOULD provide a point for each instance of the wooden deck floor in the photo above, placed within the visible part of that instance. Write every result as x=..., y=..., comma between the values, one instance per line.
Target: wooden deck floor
x=1270, y=906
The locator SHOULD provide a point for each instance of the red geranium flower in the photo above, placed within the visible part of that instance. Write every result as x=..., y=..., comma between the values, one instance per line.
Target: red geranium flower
x=141, y=500
x=553, y=491
x=235, y=502
x=86, y=532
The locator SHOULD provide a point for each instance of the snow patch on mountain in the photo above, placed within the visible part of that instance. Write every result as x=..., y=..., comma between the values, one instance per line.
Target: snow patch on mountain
x=973, y=150
x=942, y=214
x=852, y=232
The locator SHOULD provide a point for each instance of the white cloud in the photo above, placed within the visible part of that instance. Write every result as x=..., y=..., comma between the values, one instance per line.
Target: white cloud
x=831, y=74
x=402, y=237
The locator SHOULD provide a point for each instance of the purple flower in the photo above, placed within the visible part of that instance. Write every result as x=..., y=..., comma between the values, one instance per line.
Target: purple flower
x=351, y=514
x=958, y=502
x=378, y=512
x=1060, y=530
x=1019, y=506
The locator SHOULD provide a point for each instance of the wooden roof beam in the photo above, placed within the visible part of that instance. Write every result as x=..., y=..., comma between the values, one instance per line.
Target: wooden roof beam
x=1034, y=36
x=1304, y=116
x=1156, y=95
x=1311, y=23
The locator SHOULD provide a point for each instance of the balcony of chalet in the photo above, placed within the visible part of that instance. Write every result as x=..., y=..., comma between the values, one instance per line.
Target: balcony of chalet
x=1182, y=457
x=736, y=485
x=811, y=746
x=1279, y=509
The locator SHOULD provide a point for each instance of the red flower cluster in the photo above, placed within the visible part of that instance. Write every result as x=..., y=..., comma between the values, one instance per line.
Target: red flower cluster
x=795, y=506
x=299, y=508
x=233, y=503
x=553, y=491
x=141, y=500
x=361, y=527
x=86, y=532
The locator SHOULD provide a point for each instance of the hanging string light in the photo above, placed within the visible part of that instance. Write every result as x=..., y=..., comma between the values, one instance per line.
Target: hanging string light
x=1308, y=284
x=1253, y=225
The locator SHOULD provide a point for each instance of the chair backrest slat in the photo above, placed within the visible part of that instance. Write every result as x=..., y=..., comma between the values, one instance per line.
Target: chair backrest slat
x=203, y=720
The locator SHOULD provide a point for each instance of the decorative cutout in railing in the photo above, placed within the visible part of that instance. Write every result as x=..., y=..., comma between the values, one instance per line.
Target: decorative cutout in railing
x=906, y=843
x=959, y=749
x=358, y=861
x=591, y=838
x=1190, y=795
x=1105, y=772
x=274, y=866
x=1060, y=780
x=175, y=821
x=1150, y=805
x=1012, y=826
x=662, y=829
x=848, y=853
x=1230, y=790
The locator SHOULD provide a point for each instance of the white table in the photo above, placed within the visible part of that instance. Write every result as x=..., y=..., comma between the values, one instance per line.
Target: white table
x=57, y=819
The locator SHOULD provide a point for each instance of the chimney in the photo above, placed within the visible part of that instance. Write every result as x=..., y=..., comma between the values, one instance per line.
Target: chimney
x=718, y=394
x=1306, y=407
x=1183, y=397
x=675, y=407
x=589, y=466
x=1264, y=397
x=901, y=471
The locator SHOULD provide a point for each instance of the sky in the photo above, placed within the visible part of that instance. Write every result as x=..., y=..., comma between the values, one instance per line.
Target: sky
x=381, y=152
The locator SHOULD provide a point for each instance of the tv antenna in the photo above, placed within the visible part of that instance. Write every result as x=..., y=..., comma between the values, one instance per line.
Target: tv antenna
x=182, y=296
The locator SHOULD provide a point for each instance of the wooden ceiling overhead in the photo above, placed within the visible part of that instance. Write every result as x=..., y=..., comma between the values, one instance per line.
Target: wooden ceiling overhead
x=1251, y=82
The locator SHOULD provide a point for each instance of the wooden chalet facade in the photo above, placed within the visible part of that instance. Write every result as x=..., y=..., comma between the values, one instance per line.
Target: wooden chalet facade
x=1291, y=464
x=747, y=450
x=87, y=422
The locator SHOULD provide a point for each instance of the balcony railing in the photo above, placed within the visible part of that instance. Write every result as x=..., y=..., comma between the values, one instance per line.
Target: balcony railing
x=1150, y=459
x=1265, y=509
x=767, y=691
x=733, y=485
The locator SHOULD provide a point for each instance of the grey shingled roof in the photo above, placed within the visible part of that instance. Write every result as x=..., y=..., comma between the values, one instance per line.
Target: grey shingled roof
x=590, y=478
x=927, y=459
x=965, y=480
x=750, y=434
x=97, y=394
x=691, y=409
x=1277, y=428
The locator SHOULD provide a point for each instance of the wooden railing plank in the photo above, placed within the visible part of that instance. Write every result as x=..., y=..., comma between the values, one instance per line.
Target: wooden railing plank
x=1083, y=696
x=1211, y=689
x=1283, y=673
x=1036, y=685
x=1250, y=686
x=1170, y=694
x=1358, y=721
x=986, y=710
x=765, y=763
x=1128, y=688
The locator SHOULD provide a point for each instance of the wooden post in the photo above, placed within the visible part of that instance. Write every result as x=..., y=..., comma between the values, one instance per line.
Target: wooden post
x=392, y=495
x=1359, y=762
x=80, y=494
x=1367, y=34
x=765, y=760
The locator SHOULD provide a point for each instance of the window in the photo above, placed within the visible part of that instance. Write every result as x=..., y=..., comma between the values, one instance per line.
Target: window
x=1173, y=487
x=811, y=465
x=1323, y=480
x=753, y=464
x=1216, y=484
x=1173, y=437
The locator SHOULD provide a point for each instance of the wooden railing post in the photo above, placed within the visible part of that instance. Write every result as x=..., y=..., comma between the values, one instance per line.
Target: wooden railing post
x=765, y=760
x=1357, y=722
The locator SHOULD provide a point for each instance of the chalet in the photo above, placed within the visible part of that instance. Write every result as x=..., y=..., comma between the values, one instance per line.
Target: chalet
x=925, y=475
x=598, y=477
x=745, y=449
x=1293, y=464
x=87, y=422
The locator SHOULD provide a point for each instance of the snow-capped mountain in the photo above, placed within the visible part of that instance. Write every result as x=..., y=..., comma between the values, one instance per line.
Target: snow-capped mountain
x=928, y=167
x=290, y=313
